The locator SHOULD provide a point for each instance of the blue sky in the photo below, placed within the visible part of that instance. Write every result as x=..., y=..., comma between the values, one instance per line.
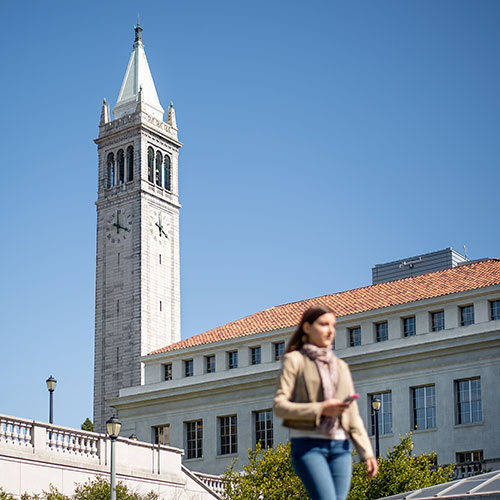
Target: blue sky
x=320, y=138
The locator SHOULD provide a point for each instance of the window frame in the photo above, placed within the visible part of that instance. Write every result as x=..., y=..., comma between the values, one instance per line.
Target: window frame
x=474, y=411
x=428, y=408
x=228, y=423
x=194, y=439
x=378, y=326
x=384, y=414
x=157, y=433
x=266, y=430
x=188, y=368
x=167, y=371
x=354, y=336
x=467, y=316
x=232, y=360
x=494, y=310
x=209, y=366
x=256, y=359
x=438, y=326
x=279, y=350
x=406, y=331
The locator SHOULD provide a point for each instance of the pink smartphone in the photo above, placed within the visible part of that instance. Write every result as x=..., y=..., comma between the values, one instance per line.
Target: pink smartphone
x=351, y=398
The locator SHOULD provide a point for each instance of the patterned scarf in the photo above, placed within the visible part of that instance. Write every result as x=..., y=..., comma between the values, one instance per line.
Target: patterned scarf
x=326, y=361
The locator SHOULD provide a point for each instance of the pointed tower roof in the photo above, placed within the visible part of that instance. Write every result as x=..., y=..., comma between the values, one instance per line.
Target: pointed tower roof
x=138, y=76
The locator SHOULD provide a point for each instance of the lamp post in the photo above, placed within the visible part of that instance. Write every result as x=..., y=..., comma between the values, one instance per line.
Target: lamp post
x=376, y=403
x=113, y=426
x=51, y=385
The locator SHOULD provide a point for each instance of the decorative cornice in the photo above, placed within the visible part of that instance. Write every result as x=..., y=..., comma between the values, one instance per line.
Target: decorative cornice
x=138, y=119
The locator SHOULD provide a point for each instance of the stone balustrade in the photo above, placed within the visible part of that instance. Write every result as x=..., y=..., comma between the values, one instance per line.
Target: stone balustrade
x=34, y=455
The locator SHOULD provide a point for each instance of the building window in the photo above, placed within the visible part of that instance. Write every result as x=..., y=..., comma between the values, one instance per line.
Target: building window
x=162, y=434
x=409, y=326
x=130, y=163
x=423, y=407
x=167, y=173
x=381, y=332
x=151, y=160
x=228, y=435
x=464, y=457
x=264, y=428
x=468, y=401
x=188, y=368
x=384, y=414
x=210, y=364
x=167, y=371
x=467, y=315
x=194, y=439
x=120, y=160
x=111, y=170
x=159, y=161
x=495, y=309
x=437, y=321
x=355, y=336
x=232, y=359
x=255, y=354
x=279, y=350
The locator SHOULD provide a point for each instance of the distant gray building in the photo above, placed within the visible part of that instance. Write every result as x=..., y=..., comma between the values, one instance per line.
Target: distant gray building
x=419, y=264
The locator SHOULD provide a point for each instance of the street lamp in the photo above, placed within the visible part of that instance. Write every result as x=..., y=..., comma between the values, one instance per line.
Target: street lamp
x=51, y=385
x=376, y=403
x=113, y=426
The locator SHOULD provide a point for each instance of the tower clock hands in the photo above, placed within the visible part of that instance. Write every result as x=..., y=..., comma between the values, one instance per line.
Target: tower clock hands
x=118, y=225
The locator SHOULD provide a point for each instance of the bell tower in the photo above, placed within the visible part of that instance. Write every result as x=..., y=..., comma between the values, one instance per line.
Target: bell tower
x=137, y=307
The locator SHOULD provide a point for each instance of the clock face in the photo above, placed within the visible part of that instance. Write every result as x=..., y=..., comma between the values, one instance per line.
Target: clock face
x=119, y=225
x=159, y=227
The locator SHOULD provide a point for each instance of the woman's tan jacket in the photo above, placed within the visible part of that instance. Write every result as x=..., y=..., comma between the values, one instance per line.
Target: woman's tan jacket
x=299, y=399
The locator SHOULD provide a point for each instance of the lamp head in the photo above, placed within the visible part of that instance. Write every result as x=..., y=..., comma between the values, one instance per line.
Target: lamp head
x=51, y=383
x=113, y=426
x=376, y=404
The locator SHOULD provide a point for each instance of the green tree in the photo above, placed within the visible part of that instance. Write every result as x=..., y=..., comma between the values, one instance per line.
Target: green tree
x=87, y=425
x=268, y=474
x=399, y=472
x=93, y=489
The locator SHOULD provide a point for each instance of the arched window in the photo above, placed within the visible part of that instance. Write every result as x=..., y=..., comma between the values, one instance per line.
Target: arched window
x=167, y=173
x=111, y=170
x=151, y=159
x=130, y=163
x=120, y=161
x=158, y=168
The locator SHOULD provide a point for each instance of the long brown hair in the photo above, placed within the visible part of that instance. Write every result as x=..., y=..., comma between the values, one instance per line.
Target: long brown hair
x=309, y=316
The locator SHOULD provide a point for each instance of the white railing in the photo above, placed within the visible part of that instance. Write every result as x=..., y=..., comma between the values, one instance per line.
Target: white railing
x=215, y=483
x=72, y=442
x=16, y=431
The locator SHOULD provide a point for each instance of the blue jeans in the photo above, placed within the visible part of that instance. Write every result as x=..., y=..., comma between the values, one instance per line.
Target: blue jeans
x=324, y=466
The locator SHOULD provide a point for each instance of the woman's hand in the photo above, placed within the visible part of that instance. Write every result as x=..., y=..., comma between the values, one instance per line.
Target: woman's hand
x=334, y=407
x=372, y=466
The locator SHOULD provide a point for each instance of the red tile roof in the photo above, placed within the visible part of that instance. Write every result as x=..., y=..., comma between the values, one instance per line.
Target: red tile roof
x=470, y=276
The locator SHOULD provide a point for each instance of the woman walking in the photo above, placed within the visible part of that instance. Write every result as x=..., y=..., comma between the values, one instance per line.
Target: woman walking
x=311, y=399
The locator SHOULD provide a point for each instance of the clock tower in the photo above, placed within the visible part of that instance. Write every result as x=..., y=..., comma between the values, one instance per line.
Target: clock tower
x=137, y=305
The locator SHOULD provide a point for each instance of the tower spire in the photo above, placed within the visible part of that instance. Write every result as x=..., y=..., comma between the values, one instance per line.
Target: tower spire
x=137, y=76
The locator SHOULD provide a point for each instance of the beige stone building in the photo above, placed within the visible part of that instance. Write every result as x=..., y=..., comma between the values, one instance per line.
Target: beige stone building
x=428, y=346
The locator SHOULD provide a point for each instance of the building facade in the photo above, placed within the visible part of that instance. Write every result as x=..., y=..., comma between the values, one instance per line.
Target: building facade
x=137, y=305
x=427, y=346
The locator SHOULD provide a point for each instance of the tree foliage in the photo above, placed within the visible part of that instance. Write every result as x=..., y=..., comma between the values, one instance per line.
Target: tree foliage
x=269, y=474
x=87, y=425
x=399, y=472
x=93, y=489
